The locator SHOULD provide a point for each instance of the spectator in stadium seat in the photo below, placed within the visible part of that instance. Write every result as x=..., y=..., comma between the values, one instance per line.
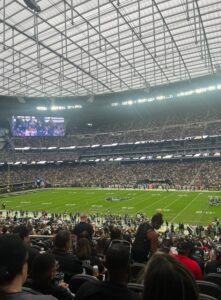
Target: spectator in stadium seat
x=118, y=264
x=4, y=230
x=83, y=229
x=115, y=234
x=23, y=232
x=13, y=270
x=183, y=249
x=167, y=278
x=214, y=265
x=43, y=278
x=68, y=263
x=146, y=239
x=84, y=254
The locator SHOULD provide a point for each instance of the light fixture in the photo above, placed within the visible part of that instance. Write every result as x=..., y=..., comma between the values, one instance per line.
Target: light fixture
x=33, y=5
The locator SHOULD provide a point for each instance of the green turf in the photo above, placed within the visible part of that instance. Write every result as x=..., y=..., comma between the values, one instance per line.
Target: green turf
x=187, y=207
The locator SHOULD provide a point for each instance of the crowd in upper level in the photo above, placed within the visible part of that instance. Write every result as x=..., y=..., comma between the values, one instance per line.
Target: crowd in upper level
x=161, y=127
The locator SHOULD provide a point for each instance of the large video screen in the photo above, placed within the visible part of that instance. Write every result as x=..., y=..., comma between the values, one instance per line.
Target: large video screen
x=37, y=126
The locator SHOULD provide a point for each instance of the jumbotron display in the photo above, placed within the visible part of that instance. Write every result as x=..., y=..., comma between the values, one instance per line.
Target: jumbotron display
x=37, y=126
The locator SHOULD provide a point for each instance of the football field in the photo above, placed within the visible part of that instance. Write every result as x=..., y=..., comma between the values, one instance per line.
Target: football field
x=176, y=206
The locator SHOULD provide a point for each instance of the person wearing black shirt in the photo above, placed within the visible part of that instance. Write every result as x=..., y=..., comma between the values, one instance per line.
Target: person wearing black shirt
x=214, y=266
x=69, y=265
x=23, y=232
x=83, y=229
x=117, y=263
x=84, y=254
x=14, y=270
x=115, y=234
x=43, y=278
x=146, y=239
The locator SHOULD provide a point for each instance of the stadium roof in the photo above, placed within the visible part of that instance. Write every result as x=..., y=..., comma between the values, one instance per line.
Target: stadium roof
x=86, y=47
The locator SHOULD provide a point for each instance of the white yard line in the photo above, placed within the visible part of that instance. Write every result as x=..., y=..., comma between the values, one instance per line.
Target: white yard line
x=171, y=203
x=180, y=213
x=153, y=203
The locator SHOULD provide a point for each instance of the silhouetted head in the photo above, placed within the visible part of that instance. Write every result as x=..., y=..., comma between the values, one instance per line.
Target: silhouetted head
x=44, y=268
x=157, y=220
x=63, y=239
x=13, y=261
x=167, y=278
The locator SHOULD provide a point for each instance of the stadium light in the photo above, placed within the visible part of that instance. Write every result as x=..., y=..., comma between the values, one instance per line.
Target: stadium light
x=183, y=94
x=170, y=96
x=58, y=107
x=32, y=4
x=54, y=108
x=160, y=97
x=141, y=101
x=42, y=108
x=168, y=156
x=74, y=106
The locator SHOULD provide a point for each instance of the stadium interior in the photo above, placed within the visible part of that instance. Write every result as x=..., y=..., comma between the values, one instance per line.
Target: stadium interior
x=112, y=108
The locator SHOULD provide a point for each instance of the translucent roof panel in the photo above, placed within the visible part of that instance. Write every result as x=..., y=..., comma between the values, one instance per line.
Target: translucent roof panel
x=86, y=47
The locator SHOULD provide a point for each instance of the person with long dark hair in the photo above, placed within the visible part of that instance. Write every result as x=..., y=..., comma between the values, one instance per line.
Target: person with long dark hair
x=43, y=278
x=84, y=254
x=167, y=278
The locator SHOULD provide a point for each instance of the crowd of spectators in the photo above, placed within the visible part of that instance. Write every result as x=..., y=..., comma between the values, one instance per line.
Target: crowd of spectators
x=104, y=250
x=13, y=156
x=143, y=133
x=182, y=175
x=174, y=261
x=204, y=146
x=160, y=127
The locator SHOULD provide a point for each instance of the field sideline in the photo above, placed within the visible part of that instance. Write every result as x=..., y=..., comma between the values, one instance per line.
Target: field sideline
x=177, y=206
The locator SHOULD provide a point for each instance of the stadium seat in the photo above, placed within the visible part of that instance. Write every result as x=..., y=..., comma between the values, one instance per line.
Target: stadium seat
x=28, y=290
x=36, y=247
x=136, y=269
x=116, y=241
x=206, y=297
x=77, y=280
x=209, y=288
x=135, y=287
x=214, y=277
x=88, y=269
